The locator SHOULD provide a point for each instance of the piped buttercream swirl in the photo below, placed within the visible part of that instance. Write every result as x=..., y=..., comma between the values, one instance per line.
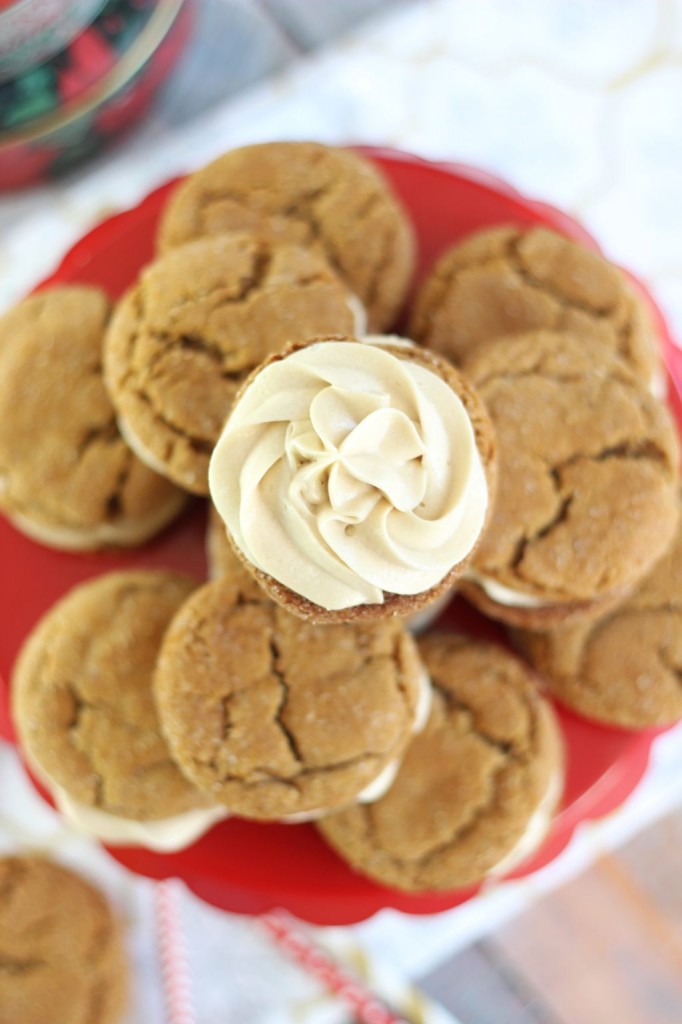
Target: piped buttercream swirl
x=346, y=472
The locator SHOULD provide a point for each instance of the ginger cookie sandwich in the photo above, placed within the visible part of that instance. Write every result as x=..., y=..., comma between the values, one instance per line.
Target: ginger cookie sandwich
x=279, y=719
x=196, y=323
x=625, y=670
x=477, y=790
x=61, y=947
x=588, y=482
x=510, y=280
x=355, y=479
x=85, y=715
x=67, y=478
x=332, y=199
x=223, y=561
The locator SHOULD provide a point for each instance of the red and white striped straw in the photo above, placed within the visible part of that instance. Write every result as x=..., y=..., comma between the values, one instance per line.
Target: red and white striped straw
x=367, y=1007
x=282, y=928
x=173, y=955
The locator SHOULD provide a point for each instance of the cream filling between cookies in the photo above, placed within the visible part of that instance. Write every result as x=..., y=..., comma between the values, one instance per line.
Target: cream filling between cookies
x=500, y=594
x=424, y=701
x=125, y=533
x=380, y=785
x=373, y=791
x=359, y=315
x=420, y=621
x=537, y=828
x=164, y=835
x=658, y=383
x=143, y=453
x=389, y=341
x=345, y=472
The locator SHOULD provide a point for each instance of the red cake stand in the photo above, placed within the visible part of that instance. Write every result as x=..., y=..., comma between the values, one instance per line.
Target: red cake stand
x=244, y=866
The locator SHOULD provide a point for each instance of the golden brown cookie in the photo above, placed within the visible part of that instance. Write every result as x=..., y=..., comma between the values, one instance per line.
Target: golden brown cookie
x=310, y=194
x=510, y=280
x=67, y=478
x=477, y=789
x=587, y=499
x=84, y=709
x=62, y=959
x=625, y=670
x=195, y=325
x=275, y=717
x=355, y=478
x=223, y=561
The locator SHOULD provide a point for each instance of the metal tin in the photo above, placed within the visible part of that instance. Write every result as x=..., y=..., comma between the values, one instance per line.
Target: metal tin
x=70, y=74
x=31, y=31
x=47, y=146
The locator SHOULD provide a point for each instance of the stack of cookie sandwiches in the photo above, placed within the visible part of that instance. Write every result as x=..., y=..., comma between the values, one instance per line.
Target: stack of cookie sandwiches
x=514, y=448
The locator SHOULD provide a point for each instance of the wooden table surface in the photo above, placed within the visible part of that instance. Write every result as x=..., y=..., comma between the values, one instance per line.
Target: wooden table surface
x=604, y=949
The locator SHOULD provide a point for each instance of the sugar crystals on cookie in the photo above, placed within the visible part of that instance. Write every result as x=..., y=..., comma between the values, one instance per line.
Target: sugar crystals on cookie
x=324, y=197
x=587, y=499
x=67, y=477
x=196, y=323
x=280, y=719
x=61, y=947
x=624, y=670
x=477, y=789
x=509, y=280
x=85, y=715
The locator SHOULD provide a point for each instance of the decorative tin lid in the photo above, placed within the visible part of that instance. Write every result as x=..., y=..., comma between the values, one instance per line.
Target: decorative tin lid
x=67, y=77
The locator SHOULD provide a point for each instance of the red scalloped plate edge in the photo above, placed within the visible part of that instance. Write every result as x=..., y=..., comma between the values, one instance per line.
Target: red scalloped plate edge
x=490, y=183
x=614, y=787
x=616, y=784
x=103, y=233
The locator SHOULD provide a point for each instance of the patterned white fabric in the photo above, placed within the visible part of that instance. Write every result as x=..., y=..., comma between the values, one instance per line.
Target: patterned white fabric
x=578, y=104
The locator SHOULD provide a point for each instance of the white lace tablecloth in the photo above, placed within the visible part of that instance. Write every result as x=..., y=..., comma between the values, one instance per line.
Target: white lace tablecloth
x=575, y=102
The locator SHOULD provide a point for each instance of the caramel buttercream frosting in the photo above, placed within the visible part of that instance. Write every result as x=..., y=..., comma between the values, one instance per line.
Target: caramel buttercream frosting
x=348, y=473
x=193, y=327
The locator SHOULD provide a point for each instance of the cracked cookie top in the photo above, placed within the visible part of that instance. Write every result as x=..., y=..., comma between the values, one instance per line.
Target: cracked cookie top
x=194, y=326
x=83, y=703
x=66, y=476
x=273, y=716
x=627, y=669
x=510, y=280
x=469, y=784
x=587, y=498
x=310, y=194
x=61, y=950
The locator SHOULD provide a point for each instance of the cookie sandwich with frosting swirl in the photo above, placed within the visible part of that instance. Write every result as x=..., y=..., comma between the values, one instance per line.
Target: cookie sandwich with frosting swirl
x=355, y=480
